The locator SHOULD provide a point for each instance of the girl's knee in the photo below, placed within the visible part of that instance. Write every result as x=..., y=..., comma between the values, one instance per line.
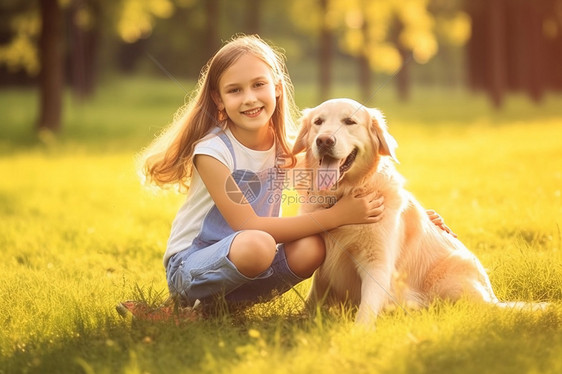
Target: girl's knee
x=252, y=252
x=317, y=250
x=306, y=255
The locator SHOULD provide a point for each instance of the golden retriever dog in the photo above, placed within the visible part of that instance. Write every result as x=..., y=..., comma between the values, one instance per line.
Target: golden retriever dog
x=404, y=259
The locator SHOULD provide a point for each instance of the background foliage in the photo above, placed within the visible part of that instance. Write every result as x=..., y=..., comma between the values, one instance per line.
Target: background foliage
x=78, y=233
x=498, y=47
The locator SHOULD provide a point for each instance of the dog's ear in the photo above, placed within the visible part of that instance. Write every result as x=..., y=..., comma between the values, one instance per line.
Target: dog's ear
x=387, y=143
x=300, y=142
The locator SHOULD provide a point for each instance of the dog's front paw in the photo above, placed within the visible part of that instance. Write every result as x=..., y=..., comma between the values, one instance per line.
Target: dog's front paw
x=366, y=316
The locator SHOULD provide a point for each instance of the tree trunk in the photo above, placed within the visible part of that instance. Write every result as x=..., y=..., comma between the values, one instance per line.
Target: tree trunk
x=51, y=56
x=129, y=54
x=325, y=54
x=517, y=46
x=365, y=84
x=534, y=41
x=365, y=81
x=403, y=74
x=476, y=46
x=83, y=49
x=496, y=52
x=553, y=55
x=253, y=16
x=212, y=34
x=512, y=48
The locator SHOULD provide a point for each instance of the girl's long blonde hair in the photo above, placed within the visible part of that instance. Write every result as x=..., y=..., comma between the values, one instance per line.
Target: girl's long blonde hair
x=168, y=161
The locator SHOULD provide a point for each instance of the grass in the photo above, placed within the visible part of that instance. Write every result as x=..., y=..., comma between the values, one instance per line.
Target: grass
x=79, y=234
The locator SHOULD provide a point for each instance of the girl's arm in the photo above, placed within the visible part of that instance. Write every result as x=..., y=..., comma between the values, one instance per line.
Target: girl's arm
x=348, y=210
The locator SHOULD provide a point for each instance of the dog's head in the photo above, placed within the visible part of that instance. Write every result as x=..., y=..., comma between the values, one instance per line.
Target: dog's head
x=344, y=138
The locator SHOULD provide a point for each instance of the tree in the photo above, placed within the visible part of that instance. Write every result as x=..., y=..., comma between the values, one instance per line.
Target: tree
x=365, y=81
x=83, y=20
x=403, y=74
x=19, y=30
x=316, y=18
x=325, y=52
x=51, y=57
x=515, y=46
x=385, y=33
x=134, y=20
x=212, y=10
x=496, y=53
x=253, y=12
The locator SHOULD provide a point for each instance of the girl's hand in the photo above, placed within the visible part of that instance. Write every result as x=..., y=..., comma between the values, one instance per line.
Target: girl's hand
x=438, y=221
x=358, y=209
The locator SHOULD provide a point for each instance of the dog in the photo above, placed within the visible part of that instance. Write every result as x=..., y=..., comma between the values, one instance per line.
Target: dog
x=404, y=259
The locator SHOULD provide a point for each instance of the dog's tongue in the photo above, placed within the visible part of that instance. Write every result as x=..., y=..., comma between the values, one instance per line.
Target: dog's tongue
x=328, y=173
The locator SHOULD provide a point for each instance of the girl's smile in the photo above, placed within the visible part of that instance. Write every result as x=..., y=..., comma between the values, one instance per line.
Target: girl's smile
x=253, y=112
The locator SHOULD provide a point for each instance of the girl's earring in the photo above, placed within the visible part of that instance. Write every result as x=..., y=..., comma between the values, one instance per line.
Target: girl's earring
x=222, y=115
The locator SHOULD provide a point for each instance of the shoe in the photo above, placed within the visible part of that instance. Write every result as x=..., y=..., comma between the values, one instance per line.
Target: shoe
x=140, y=310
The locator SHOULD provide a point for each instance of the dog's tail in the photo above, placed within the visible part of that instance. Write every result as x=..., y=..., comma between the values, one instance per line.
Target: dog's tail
x=523, y=305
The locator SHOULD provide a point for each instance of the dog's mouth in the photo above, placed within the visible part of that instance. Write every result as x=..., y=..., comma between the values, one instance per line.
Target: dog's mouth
x=331, y=170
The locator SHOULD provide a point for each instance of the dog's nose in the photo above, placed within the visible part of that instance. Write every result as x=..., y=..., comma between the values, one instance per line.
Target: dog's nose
x=325, y=141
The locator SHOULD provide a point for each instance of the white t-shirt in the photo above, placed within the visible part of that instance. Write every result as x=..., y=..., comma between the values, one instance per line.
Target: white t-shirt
x=190, y=217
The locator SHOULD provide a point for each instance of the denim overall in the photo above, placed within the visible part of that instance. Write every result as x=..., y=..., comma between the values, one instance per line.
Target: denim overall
x=203, y=270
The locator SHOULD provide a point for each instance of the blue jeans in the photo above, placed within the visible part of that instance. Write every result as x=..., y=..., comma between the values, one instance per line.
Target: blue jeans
x=205, y=273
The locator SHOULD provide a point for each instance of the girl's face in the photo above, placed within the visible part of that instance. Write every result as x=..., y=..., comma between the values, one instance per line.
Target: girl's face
x=248, y=92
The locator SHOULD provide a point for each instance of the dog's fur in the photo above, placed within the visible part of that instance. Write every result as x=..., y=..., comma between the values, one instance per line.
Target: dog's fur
x=402, y=259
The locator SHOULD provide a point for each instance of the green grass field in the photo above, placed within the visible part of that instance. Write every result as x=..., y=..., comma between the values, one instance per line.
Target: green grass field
x=78, y=234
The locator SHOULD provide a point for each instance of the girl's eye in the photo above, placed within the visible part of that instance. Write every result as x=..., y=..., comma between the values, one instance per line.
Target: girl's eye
x=260, y=84
x=349, y=121
x=233, y=90
x=318, y=121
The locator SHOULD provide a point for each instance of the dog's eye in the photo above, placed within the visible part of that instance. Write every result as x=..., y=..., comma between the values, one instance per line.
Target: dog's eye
x=349, y=121
x=318, y=121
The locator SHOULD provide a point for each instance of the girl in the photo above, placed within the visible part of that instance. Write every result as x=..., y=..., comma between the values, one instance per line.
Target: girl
x=228, y=148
